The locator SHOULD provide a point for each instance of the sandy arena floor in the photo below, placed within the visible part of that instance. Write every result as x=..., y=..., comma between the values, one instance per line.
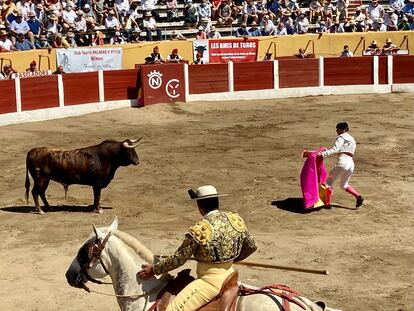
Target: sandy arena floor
x=250, y=150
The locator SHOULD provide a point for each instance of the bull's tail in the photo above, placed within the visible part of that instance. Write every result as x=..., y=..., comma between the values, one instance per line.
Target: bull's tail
x=27, y=183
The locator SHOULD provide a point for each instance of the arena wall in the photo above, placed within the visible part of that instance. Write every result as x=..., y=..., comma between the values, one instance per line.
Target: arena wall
x=49, y=97
x=327, y=45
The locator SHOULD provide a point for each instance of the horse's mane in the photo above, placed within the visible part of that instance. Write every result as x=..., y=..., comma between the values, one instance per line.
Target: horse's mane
x=135, y=244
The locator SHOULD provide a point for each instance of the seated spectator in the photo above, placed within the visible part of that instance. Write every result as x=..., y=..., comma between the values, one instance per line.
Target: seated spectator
x=266, y=26
x=249, y=13
x=350, y=25
x=53, y=26
x=90, y=17
x=281, y=29
x=273, y=9
x=328, y=9
x=224, y=13
x=204, y=12
x=70, y=39
x=360, y=19
x=301, y=54
x=42, y=43
x=373, y=48
x=190, y=14
x=375, y=11
x=149, y=6
x=172, y=11
x=155, y=57
x=117, y=39
x=301, y=23
x=59, y=42
x=237, y=7
x=404, y=25
x=175, y=35
x=337, y=27
x=389, y=48
x=391, y=20
x=199, y=59
x=129, y=21
x=342, y=9
x=32, y=67
x=397, y=6
x=34, y=25
x=150, y=25
x=242, y=31
x=98, y=9
x=293, y=7
x=346, y=52
x=174, y=57
x=121, y=7
x=268, y=57
x=9, y=11
x=380, y=25
x=5, y=44
x=214, y=34
x=408, y=9
x=59, y=70
x=79, y=23
x=8, y=72
x=254, y=31
x=215, y=5
x=82, y=39
x=68, y=17
x=111, y=22
x=97, y=39
x=22, y=44
x=136, y=36
x=261, y=9
x=315, y=11
x=201, y=34
x=321, y=27
x=287, y=20
x=20, y=27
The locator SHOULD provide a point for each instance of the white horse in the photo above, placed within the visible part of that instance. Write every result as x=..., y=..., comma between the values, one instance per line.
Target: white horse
x=109, y=251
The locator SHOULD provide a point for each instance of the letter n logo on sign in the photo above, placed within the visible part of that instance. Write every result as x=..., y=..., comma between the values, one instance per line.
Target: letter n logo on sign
x=154, y=79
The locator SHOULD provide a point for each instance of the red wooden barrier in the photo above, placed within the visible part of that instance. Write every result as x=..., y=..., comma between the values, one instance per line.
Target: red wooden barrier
x=383, y=70
x=81, y=88
x=253, y=76
x=208, y=78
x=121, y=84
x=349, y=71
x=298, y=72
x=403, y=69
x=8, y=96
x=39, y=92
x=162, y=83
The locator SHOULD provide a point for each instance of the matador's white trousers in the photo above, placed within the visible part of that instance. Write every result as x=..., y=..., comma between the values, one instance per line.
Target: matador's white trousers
x=343, y=171
x=204, y=289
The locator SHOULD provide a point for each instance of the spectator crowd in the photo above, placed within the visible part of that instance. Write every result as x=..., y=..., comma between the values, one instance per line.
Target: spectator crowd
x=46, y=24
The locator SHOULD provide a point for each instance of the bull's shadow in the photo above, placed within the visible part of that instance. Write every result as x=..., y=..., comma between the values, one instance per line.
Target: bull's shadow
x=57, y=208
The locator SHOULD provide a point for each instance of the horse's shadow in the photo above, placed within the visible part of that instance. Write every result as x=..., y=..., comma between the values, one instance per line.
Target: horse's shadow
x=52, y=209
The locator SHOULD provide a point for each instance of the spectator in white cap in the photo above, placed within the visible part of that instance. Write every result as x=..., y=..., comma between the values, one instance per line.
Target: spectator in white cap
x=391, y=19
x=201, y=34
x=302, y=23
x=52, y=26
x=90, y=17
x=266, y=26
x=111, y=22
x=136, y=36
x=375, y=11
x=380, y=25
x=79, y=22
x=214, y=34
x=150, y=25
x=389, y=48
x=360, y=19
x=117, y=39
x=20, y=26
x=70, y=39
x=68, y=17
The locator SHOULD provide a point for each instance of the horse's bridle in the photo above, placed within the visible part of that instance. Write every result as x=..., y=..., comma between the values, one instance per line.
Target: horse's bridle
x=94, y=251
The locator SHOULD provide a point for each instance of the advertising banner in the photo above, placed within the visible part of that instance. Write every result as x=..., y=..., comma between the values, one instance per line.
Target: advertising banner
x=92, y=59
x=162, y=84
x=224, y=50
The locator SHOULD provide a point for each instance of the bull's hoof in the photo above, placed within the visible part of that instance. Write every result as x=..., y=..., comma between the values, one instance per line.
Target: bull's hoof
x=40, y=212
x=99, y=211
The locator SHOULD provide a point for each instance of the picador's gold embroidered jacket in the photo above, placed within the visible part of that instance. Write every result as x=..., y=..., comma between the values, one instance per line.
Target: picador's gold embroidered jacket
x=219, y=237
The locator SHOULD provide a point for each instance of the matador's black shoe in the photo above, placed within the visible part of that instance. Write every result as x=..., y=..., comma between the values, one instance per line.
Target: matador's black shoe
x=359, y=201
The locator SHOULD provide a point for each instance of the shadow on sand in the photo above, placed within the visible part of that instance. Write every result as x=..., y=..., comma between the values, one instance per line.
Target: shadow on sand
x=295, y=205
x=59, y=208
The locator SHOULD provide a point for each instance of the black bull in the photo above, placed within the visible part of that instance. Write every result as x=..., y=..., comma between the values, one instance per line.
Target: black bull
x=93, y=166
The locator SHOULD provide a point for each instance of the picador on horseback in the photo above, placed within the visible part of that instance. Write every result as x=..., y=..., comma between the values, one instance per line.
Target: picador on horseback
x=216, y=241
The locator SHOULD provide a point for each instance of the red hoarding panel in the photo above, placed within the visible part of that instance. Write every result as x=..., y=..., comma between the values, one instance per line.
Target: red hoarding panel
x=236, y=50
x=298, y=72
x=81, y=88
x=253, y=76
x=209, y=78
x=162, y=83
x=8, y=96
x=383, y=70
x=403, y=69
x=39, y=92
x=121, y=84
x=348, y=71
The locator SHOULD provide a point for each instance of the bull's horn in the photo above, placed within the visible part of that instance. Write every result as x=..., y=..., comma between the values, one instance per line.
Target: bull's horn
x=133, y=145
x=133, y=141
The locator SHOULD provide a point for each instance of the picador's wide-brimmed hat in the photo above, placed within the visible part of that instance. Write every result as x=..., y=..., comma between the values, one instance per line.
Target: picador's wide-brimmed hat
x=204, y=192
